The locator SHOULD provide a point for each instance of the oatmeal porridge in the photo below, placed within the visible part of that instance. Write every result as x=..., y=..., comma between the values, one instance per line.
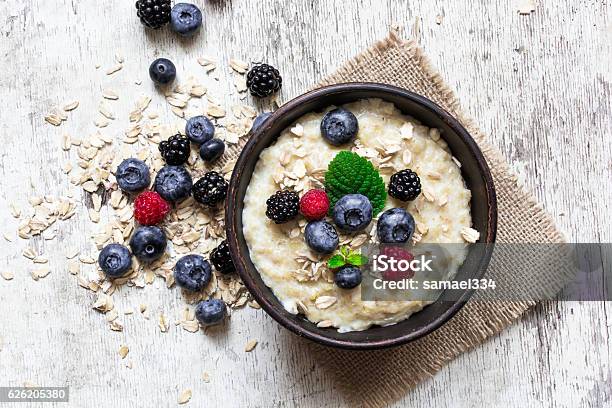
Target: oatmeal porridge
x=294, y=261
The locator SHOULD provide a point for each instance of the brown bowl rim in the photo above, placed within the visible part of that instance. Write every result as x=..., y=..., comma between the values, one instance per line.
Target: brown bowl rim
x=231, y=222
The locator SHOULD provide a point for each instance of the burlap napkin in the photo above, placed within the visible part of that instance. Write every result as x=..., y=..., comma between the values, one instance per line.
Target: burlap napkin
x=378, y=378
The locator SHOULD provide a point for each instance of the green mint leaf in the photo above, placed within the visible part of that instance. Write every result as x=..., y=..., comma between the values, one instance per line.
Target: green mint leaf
x=357, y=259
x=336, y=261
x=344, y=251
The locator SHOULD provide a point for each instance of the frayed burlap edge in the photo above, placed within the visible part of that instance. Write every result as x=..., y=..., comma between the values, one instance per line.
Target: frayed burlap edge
x=378, y=378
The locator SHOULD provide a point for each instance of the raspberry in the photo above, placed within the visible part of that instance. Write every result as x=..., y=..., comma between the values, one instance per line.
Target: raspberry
x=314, y=205
x=150, y=208
x=396, y=253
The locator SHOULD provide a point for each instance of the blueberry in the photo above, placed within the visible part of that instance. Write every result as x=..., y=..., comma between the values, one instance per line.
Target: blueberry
x=162, y=71
x=173, y=183
x=133, y=175
x=259, y=120
x=321, y=237
x=353, y=212
x=339, y=126
x=199, y=129
x=185, y=19
x=209, y=312
x=212, y=150
x=148, y=243
x=348, y=277
x=395, y=226
x=192, y=272
x=115, y=260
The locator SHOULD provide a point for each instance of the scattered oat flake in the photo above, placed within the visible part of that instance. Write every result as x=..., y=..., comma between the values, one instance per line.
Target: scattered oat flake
x=123, y=351
x=215, y=111
x=72, y=252
x=53, y=119
x=40, y=273
x=110, y=94
x=240, y=67
x=251, y=344
x=526, y=7
x=439, y=19
x=325, y=323
x=70, y=106
x=114, y=69
x=7, y=275
x=184, y=397
x=163, y=325
x=15, y=212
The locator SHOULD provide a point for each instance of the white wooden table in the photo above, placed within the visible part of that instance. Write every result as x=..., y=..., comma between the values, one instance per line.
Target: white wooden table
x=538, y=84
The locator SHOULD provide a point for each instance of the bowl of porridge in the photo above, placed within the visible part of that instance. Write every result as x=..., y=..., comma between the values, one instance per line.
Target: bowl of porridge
x=339, y=171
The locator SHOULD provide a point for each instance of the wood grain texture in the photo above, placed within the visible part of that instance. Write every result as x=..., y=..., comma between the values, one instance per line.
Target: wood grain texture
x=539, y=85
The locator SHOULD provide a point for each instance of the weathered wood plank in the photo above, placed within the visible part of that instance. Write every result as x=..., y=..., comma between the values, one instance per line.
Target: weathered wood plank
x=539, y=85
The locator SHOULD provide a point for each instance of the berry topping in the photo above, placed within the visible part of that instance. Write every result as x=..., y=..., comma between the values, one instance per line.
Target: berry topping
x=314, y=205
x=321, y=237
x=192, y=272
x=199, y=129
x=353, y=212
x=150, y=208
x=115, y=260
x=153, y=13
x=397, y=254
x=210, y=312
x=282, y=206
x=175, y=150
x=211, y=189
x=148, y=243
x=349, y=173
x=162, y=71
x=185, y=19
x=395, y=226
x=133, y=175
x=221, y=258
x=348, y=277
x=405, y=185
x=339, y=126
x=173, y=183
x=212, y=150
x=263, y=80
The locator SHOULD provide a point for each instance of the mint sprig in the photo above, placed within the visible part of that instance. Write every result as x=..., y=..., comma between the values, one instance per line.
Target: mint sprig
x=346, y=257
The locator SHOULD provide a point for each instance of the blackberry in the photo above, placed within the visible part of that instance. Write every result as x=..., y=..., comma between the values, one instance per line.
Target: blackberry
x=154, y=13
x=405, y=185
x=283, y=206
x=263, y=80
x=220, y=257
x=210, y=189
x=175, y=150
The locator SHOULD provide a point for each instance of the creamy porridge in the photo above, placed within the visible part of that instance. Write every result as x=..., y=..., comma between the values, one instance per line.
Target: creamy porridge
x=300, y=277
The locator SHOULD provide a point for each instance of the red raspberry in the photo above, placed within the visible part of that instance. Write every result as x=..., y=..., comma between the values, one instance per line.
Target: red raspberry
x=397, y=253
x=150, y=208
x=314, y=205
